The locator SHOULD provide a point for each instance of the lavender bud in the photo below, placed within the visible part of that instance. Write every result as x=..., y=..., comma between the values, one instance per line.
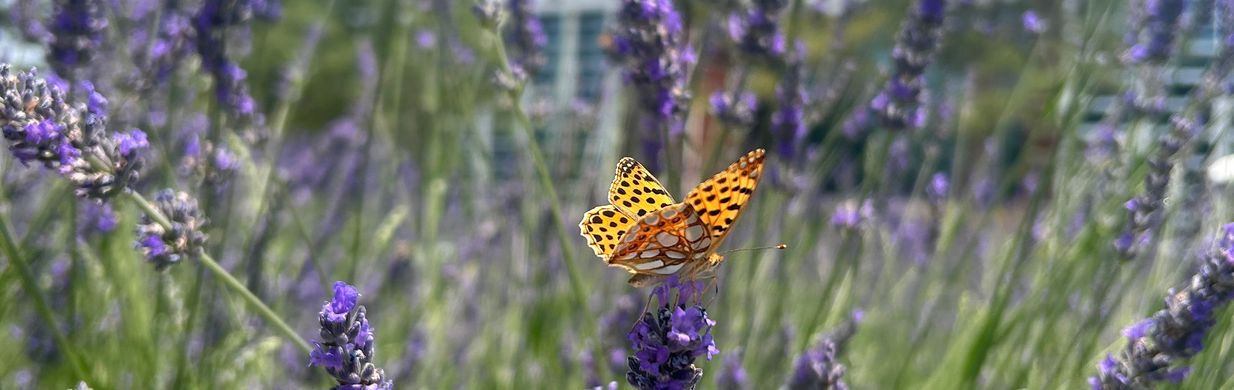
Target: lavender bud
x=1160, y=19
x=736, y=111
x=757, y=30
x=489, y=13
x=345, y=349
x=165, y=246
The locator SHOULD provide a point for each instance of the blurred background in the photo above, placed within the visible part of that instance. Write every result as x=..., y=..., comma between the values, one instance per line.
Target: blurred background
x=953, y=185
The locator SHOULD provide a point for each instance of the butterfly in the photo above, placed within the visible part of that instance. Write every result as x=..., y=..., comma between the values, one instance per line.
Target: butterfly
x=645, y=232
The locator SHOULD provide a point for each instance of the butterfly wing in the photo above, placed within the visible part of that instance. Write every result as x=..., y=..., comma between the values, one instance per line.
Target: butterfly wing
x=663, y=242
x=720, y=199
x=603, y=228
x=635, y=191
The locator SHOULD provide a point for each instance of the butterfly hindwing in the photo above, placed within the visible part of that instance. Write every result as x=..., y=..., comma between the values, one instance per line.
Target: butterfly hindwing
x=720, y=199
x=663, y=242
x=603, y=228
x=635, y=191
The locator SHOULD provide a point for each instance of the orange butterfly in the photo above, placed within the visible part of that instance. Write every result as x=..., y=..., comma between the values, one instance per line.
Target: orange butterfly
x=648, y=234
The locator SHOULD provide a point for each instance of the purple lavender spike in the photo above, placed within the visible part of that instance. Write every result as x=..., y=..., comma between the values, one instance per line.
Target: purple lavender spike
x=345, y=349
x=667, y=341
x=1157, y=346
x=649, y=44
x=899, y=103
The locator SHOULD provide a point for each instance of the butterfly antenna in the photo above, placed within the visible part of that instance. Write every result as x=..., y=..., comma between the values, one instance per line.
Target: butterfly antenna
x=781, y=246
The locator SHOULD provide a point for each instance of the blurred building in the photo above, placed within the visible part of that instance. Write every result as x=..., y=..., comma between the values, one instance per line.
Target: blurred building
x=573, y=96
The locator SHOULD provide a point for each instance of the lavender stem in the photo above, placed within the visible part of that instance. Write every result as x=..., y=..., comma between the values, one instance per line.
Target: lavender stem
x=30, y=284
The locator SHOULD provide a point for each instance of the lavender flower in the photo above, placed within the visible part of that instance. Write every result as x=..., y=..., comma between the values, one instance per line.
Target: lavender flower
x=165, y=245
x=346, y=346
x=1157, y=346
x=757, y=30
x=939, y=187
x=849, y=215
x=22, y=13
x=1033, y=22
x=488, y=12
x=737, y=111
x=1160, y=19
x=819, y=366
x=788, y=122
x=1144, y=211
x=160, y=52
x=733, y=376
x=649, y=44
x=98, y=217
x=42, y=126
x=212, y=23
x=667, y=342
x=525, y=38
x=77, y=32
x=899, y=103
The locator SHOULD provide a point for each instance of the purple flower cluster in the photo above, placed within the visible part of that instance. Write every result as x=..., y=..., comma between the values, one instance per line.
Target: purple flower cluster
x=165, y=245
x=346, y=346
x=899, y=102
x=757, y=30
x=1155, y=41
x=650, y=44
x=819, y=367
x=733, y=376
x=42, y=126
x=23, y=14
x=788, y=126
x=1144, y=210
x=212, y=23
x=159, y=52
x=849, y=215
x=667, y=342
x=525, y=38
x=76, y=33
x=939, y=187
x=1157, y=345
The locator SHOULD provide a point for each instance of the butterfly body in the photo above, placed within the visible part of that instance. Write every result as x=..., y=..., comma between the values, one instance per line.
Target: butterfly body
x=646, y=233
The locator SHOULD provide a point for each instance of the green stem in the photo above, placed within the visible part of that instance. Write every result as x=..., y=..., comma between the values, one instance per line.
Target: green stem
x=253, y=301
x=30, y=283
x=230, y=281
x=546, y=181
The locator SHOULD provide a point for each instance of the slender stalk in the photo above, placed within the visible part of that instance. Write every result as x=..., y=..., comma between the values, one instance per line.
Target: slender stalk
x=230, y=281
x=253, y=301
x=546, y=181
x=30, y=284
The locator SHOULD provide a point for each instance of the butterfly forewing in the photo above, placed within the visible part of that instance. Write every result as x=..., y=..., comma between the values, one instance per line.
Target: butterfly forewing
x=720, y=199
x=603, y=227
x=635, y=191
x=663, y=242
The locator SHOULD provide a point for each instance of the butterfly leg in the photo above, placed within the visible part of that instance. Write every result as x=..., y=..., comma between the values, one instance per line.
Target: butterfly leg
x=713, y=283
x=643, y=313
